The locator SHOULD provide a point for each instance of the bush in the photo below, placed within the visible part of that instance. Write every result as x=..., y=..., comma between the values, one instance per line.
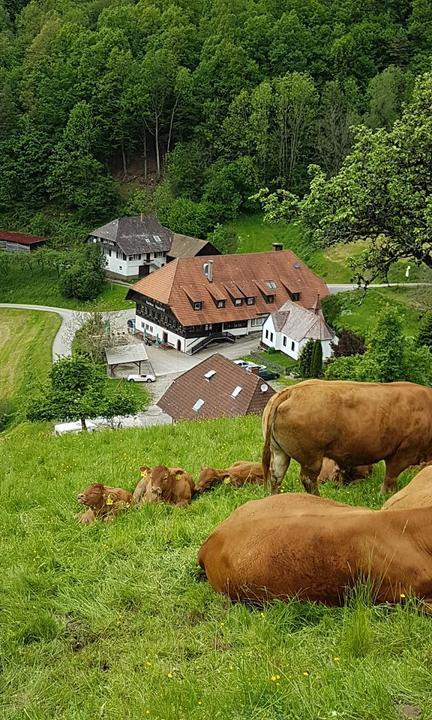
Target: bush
x=331, y=307
x=348, y=344
x=305, y=359
x=224, y=239
x=85, y=278
x=190, y=218
x=425, y=333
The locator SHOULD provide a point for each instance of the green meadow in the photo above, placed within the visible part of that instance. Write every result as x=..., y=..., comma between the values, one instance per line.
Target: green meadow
x=114, y=620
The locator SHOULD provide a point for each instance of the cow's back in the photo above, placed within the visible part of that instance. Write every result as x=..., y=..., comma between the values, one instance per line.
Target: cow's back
x=356, y=422
x=418, y=493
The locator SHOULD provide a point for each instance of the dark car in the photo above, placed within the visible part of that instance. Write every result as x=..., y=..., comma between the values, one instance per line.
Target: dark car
x=267, y=374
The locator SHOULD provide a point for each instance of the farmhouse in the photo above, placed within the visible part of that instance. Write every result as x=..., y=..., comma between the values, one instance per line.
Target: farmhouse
x=217, y=387
x=20, y=242
x=135, y=246
x=192, y=302
x=289, y=329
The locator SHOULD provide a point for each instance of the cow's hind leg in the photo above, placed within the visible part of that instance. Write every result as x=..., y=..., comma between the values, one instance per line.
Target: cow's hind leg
x=309, y=478
x=279, y=463
x=394, y=466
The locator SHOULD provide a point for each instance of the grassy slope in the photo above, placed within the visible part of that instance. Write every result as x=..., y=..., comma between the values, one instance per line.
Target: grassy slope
x=41, y=289
x=331, y=263
x=25, y=352
x=111, y=622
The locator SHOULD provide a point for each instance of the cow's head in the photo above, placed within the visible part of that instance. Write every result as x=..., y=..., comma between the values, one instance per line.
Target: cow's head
x=92, y=496
x=208, y=477
x=157, y=483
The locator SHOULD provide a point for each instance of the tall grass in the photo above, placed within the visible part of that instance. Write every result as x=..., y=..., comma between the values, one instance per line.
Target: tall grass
x=114, y=620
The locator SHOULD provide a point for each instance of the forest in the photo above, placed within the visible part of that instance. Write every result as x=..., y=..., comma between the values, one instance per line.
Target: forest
x=190, y=107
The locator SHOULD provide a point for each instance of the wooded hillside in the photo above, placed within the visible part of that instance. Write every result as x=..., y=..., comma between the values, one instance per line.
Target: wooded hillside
x=224, y=97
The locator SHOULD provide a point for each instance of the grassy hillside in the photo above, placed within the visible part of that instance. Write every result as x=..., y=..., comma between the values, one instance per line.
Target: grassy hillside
x=254, y=235
x=25, y=355
x=40, y=288
x=111, y=621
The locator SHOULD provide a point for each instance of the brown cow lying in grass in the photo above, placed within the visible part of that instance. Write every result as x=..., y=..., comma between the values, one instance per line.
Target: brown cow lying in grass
x=242, y=472
x=163, y=484
x=417, y=494
x=311, y=548
x=103, y=502
x=237, y=474
x=330, y=470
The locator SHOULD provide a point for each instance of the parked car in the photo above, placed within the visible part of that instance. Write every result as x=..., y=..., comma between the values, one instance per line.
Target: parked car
x=243, y=363
x=141, y=378
x=267, y=374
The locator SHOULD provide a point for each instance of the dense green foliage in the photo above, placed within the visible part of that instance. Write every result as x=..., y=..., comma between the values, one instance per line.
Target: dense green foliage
x=389, y=356
x=111, y=621
x=77, y=390
x=84, y=277
x=347, y=343
x=225, y=97
x=425, y=332
x=381, y=194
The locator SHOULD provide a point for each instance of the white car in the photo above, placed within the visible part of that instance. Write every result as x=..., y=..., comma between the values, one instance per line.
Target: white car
x=242, y=363
x=141, y=378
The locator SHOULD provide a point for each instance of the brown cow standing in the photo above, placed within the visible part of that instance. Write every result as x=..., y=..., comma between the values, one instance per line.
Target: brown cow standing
x=237, y=474
x=171, y=485
x=311, y=548
x=352, y=423
x=103, y=502
x=417, y=494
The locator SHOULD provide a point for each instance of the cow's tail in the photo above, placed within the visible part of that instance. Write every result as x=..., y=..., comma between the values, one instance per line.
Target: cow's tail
x=267, y=426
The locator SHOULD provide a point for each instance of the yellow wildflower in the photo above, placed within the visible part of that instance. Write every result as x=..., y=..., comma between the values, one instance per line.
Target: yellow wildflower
x=170, y=675
x=336, y=659
x=306, y=674
x=275, y=678
x=227, y=481
x=109, y=500
x=403, y=595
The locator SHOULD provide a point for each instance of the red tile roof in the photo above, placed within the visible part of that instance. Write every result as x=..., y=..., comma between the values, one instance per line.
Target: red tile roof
x=21, y=238
x=251, y=274
x=216, y=392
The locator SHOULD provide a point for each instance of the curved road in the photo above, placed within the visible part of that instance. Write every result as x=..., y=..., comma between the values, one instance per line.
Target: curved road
x=71, y=322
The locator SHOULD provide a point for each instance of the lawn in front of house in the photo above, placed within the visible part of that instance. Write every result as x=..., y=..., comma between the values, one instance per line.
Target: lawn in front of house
x=26, y=339
x=41, y=288
x=115, y=621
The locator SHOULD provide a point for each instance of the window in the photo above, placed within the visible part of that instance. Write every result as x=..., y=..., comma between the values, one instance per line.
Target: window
x=271, y=284
x=198, y=405
x=221, y=303
x=267, y=334
x=237, y=390
x=295, y=296
x=269, y=298
x=293, y=345
x=250, y=301
x=238, y=301
x=148, y=257
x=109, y=253
x=257, y=321
x=208, y=375
x=284, y=341
x=271, y=337
x=124, y=257
x=197, y=306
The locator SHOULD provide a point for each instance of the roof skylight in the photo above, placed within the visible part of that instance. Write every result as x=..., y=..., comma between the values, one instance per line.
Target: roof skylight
x=198, y=405
x=237, y=390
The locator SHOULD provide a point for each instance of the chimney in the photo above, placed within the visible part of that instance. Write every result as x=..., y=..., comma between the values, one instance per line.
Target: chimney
x=208, y=270
x=277, y=247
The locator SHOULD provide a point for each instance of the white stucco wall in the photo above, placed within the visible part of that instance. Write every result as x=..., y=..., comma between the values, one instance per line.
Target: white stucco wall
x=286, y=344
x=115, y=262
x=154, y=330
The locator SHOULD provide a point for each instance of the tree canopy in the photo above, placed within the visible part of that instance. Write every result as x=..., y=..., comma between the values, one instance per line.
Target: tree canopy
x=219, y=98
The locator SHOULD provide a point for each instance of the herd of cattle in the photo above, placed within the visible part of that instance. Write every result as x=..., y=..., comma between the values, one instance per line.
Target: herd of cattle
x=302, y=545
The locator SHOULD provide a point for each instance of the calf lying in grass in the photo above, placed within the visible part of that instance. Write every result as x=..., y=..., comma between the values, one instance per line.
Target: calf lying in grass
x=103, y=502
x=162, y=484
x=237, y=474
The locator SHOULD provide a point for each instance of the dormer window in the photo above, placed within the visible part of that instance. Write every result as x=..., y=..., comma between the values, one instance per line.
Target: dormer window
x=238, y=301
x=221, y=303
x=295, y=296
x=270, y=298
x=197, y=305
x=250, y=301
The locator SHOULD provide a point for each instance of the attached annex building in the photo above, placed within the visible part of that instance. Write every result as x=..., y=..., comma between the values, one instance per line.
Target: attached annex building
x=289, y=329
x=192, y=302
x=136, y=246
x=217, y=387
